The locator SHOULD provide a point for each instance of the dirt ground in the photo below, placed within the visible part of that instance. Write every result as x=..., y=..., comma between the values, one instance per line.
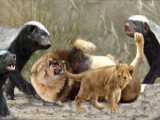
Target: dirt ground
x=147, y=107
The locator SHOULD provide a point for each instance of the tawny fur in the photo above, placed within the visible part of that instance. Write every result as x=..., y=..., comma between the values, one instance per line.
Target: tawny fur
x=106, y=81
x=100, y=61
x=46, y=84
x=129, y=94
x=84, y=45
x=132, y=91
x=88, y=49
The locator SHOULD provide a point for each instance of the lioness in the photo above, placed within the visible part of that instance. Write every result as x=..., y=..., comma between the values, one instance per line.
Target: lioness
x=80, y=61
x=47, y=78
x=106, y=81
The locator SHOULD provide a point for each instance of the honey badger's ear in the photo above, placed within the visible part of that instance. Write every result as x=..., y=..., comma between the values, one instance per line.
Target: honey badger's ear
x=146, y=27
x=131, y=69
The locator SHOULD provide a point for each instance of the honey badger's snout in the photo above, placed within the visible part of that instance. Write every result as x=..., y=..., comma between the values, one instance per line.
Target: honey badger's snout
x=45, y=42
x=11, y=65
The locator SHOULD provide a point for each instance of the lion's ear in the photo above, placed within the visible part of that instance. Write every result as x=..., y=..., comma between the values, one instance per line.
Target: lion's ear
x=131, y=69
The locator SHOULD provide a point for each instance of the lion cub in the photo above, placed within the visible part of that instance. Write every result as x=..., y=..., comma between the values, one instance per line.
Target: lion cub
x=106, y=81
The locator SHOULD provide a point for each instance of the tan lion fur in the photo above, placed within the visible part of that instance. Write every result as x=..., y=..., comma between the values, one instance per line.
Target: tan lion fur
x=84, y=45
x=48, y=88
x=88, y=49
x=106, y=81
x=132, y=91
x=46, y=84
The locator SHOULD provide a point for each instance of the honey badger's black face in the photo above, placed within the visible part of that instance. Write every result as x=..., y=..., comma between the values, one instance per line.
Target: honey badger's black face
x=38, y=38
x=130, y=27
x=7, y=61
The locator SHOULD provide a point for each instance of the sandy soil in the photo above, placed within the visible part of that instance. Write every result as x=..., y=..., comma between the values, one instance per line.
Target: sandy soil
x=147, y=107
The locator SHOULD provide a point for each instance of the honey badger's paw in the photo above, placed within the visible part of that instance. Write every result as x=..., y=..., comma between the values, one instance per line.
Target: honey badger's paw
x=4, y=111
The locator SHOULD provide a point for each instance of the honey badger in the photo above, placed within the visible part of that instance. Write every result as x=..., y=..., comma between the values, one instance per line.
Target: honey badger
x=7, y=65
x=151, y=33
x=23, y=42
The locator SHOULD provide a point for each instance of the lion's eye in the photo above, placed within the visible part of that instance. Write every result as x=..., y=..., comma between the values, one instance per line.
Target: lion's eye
x=119, y=76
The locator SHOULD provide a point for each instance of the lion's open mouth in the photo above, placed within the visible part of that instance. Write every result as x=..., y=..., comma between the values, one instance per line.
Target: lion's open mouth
x=56, y=67
x=11, y=67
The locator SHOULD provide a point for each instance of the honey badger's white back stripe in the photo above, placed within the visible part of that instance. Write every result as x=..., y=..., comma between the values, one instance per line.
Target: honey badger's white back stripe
x=2, y=52
x=141, y=18
x=155, y=28
x=38, y=24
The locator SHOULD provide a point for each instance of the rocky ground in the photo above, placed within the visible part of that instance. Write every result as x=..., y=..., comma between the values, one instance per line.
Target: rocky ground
x=147, y=107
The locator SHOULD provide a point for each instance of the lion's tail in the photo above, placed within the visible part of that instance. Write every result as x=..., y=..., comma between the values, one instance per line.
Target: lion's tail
x=76, y=77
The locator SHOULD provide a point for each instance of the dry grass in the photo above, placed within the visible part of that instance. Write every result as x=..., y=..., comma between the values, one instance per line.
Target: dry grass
x=99, y=21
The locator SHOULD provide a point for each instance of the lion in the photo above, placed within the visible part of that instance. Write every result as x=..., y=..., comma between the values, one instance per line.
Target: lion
x=84, y=45
x=105, y=81
x=132, y=91
x=80, y=59
x=47, y=78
